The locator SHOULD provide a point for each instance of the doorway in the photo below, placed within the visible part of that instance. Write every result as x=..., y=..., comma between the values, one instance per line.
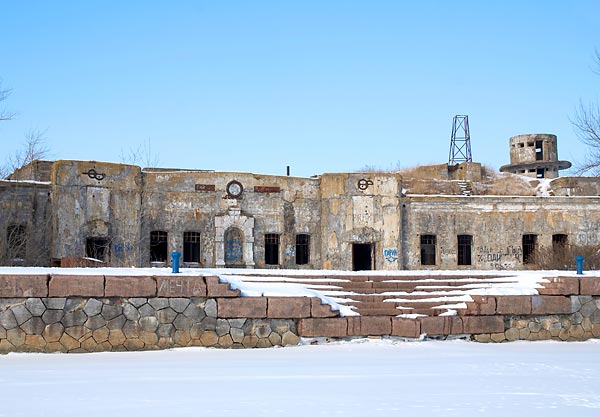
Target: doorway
x=362, y=256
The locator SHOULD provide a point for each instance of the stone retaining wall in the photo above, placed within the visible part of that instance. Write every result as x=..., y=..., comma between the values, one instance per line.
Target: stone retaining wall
x=113, y=324
x=67, y=313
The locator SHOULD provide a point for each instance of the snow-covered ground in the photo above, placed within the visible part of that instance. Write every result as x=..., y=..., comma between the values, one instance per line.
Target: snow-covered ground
x=358, y=378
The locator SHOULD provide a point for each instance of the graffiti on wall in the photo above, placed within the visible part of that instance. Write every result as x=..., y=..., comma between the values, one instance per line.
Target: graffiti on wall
x=502, y=258
x=390, y=254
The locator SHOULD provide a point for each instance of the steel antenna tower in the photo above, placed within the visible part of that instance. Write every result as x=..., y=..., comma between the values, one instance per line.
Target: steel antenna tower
x=460, y=142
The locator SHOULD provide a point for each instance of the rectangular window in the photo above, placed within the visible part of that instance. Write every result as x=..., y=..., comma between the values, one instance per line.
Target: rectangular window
x=539, y=152
x=529, y=246
x=96, y=248
x=158, y=246
x=16, y=241
x=540, y=173
x=271, y=249
x=191, y=247
x=302, y=249
x=465, y=246
x=559, y=241
x=428, y=250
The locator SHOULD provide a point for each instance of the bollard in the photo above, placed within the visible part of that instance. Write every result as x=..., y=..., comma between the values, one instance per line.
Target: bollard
x=175, y=261
x=579, y=262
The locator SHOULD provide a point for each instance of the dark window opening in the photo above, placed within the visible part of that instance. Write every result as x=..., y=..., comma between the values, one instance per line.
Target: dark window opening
x=428, y=250
x=191, y=247
x=96, y=248
x=559, y=241
x=362, y=256
x=465, y=246
x=539, y=153
x=529, y=246
x=16, y=241
x=540, y=173
x=158, y=246
x=271, y=249
x=302, y=249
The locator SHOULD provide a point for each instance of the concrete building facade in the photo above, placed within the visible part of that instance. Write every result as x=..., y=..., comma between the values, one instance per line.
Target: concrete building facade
x=432, y=217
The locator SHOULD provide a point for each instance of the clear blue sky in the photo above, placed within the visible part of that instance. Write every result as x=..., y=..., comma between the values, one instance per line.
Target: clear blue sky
x=322, y=86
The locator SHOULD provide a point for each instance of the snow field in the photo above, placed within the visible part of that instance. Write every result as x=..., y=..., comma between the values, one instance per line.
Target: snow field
x=359, y=378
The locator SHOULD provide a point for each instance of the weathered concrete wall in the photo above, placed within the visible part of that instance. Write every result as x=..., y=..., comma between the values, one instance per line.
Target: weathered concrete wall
x=25, y=204
x=97, y=200
x=497, y=225
x=360, y=208
x=181, y=201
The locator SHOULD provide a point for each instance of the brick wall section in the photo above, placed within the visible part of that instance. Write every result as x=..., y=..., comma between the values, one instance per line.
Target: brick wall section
x=513, y=304
x=589, y=286
x=75, y=285
x=288, y=307
x=123, y=286
x=167, y=286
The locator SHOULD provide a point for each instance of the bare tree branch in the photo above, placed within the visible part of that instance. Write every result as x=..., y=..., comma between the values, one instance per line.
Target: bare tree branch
x=587, y=126
x=34, y=148
x=142, y=155
x=4, y=93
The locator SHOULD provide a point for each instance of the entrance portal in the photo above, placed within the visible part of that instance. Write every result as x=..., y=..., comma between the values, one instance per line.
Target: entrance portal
x=362, y=256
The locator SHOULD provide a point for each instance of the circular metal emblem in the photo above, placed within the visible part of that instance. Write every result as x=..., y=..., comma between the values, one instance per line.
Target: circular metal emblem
x=364, y=183
x=234, y=189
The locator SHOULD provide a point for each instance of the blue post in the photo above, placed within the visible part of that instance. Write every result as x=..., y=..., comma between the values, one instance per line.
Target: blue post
x=175, y=261
x=579, y=261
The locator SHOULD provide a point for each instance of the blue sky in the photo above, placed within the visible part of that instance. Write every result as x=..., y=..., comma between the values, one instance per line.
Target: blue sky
x=322, y=86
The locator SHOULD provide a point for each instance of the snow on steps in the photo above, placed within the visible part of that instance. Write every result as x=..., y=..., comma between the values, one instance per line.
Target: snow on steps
x=386, y=294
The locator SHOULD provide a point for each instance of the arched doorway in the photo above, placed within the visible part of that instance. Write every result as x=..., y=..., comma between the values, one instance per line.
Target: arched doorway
x=234, y=249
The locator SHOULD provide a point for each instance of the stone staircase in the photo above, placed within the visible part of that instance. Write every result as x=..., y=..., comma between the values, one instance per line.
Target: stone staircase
x=465, y=187
x=371, y=294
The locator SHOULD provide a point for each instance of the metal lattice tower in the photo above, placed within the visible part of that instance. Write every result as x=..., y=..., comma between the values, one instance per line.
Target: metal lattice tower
x=460, y=142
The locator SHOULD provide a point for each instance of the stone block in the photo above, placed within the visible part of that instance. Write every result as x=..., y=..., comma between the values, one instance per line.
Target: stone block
x=589, y=285
x=180, y=286
x=76, y=286
x=369, y=326
x=483, y=324
x=560, y=286
x=404, y=327
x=214, y=288
x=550, y=304
x=513, y=304
x=326, y=327
x=126, y=286
x=288, y=307
x=481, y=305
x=249, y=307
x=318, y=309
x=441, y=325
x=23, y=286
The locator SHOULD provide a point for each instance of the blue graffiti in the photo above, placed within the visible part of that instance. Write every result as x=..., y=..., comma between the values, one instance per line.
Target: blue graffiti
x=390, y=255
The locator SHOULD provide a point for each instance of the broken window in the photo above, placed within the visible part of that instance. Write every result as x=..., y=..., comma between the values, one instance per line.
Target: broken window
x=271, y=249
x=539, y=152
x=540, y=173
x=428, y=249
x=191, y=247
x=97, y=248
x=16, y=241
x=302, y=249
x=559, y=241
x=465, y=245
x=529, y=246
x=158, y=246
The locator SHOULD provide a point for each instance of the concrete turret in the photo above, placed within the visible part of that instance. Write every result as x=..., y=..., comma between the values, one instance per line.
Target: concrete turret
x=535, y=156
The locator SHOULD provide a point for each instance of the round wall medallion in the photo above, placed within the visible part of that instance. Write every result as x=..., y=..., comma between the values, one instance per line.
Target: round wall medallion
x=234, y=189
